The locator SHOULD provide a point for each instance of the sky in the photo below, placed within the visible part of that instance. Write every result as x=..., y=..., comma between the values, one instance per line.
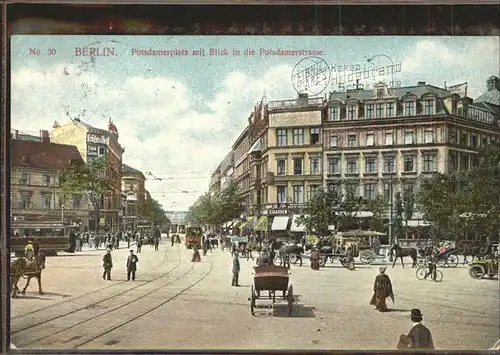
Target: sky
x=178, y=116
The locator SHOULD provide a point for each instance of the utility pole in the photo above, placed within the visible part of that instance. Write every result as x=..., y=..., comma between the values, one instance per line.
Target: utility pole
x=390, y=216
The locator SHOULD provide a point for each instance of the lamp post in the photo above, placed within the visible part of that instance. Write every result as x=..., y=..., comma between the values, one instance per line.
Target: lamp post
x=62, y=213
x=390, y=216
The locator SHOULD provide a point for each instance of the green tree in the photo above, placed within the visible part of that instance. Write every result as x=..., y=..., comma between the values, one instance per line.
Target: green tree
x=320, y=211
x=398, y=212
x=155, y=212
x=230, y=204
x=378, y=207
x=90, y=180
x=350, y=206
x=408, y=205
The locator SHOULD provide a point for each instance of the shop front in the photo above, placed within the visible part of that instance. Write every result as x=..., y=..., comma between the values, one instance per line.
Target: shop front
x=276, y=219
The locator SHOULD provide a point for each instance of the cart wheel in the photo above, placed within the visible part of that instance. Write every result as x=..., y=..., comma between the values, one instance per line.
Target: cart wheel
x=290, y=300
x=252, y=300
x=322, y=261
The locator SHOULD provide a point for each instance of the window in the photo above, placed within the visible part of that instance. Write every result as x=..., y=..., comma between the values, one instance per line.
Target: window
x=387, y=191
x=314, y=135
x=281, y=194
x=46, y=200
x=370, y=191
x=452, y=138
x=334, y=113
x=369, y=110
x=25, y=200
x=380, y=93
x=389, y=164
x=334, y=142
x=25, y=179
x=390, y=110
x=370, y=165
x=464, y=162
x=298, y=136
x=380, y=110
x=352, y=166
x=298, y=193
x=463, y=139
x=429, y=162
x=409, y=108
x=474, y=161
x=388, y=138
x=452, y=163
x=315, y=166
x=429, y=136
x=46, y=180
x=312, y=190
x=351, y=140
x=409, y=163
x=281, y=167
x=351, y=112
x=484, y=139
x=473, y=141
x=429, y=107
x=333, y=166
x=102, y=151
x=297, y=166
x=281, y=137
x=369, y=139
x=409, y=138
x=409, y=188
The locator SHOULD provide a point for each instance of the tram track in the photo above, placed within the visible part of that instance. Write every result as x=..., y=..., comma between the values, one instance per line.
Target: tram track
x=93, y=304
x=64, y=331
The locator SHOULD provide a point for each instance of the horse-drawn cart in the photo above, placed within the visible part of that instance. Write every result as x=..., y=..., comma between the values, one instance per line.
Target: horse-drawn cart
x=271, y=278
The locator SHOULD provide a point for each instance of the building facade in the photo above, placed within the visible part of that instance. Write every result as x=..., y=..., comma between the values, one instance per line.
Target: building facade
x=382, y=140
x=215, y=182
x=93, y=142
x=227, y=170
x=35, y=193
x=133, y=200
x=242, y=167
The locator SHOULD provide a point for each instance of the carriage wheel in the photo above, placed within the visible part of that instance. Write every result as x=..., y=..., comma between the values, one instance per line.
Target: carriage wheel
x=452, y=260
x=438, y=276
x=367, y=258
x=421, y=271
x=290, y=300
x=252, y=300
x=441, y=262
x=322, y=261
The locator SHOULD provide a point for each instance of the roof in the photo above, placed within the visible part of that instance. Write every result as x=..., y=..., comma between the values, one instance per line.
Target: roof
x=491, y=97
x=43, y=155
x=126, y=169
x=370, y=94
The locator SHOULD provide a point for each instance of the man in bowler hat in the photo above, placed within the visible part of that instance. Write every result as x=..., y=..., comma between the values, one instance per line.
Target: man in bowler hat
x=131, y=265
x=419, y=337
x=236, y=269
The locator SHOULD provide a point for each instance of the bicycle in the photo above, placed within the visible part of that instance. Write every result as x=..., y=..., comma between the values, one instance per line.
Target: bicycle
x=436, y=276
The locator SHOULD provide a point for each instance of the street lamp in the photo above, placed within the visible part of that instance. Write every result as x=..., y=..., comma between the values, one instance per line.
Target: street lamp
x=390, y=216
x=62, y=213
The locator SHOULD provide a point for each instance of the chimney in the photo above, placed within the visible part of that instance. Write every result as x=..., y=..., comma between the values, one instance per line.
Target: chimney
x=44, y=136
x=303, y=99
x=421, y=83
x=493, y=84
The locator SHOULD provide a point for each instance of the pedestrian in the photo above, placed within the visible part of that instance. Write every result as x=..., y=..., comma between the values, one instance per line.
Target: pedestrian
x=132, y=261
x=157, y=242
x=382, y=288
x=139, y=244
x=107, y=264
x=172, y=239
x=196, y=255
x=432, y=268
x=349, y=257
x=315, y=259
x=419, y=337
x=376, y=245
x=236, y=270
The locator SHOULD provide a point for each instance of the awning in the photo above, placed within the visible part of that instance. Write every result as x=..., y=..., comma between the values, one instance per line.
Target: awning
x=280, y=223
x=295, y=227
x=413, y=223
x=261, y=224
x=248, y=223
x=256, y=147
x=236, y=224
x=236, y=238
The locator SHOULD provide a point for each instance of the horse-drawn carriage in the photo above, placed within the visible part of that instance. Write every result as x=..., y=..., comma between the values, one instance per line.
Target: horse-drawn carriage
x=271, y=278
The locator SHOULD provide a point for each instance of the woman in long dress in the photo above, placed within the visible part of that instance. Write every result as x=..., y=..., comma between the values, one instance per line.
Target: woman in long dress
x=196, y=256
x=382, y=288
x=315, y=259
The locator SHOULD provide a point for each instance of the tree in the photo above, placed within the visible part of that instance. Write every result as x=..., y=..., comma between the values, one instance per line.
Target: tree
x=398, y=211
x=408, y=206
x=320, y=211
x=378, y=207
x=350, y=205
x=155, y=212
x=89, y=180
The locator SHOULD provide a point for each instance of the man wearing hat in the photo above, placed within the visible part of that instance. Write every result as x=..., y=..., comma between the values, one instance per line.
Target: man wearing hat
x=29, y=252
x=419, y=337
x=236, y=269
x=107, y=264
x=382, y=288
x=315, y=259
x=131, y=265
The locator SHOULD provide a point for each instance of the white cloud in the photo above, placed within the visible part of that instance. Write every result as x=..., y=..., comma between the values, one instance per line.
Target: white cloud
x=161, y=129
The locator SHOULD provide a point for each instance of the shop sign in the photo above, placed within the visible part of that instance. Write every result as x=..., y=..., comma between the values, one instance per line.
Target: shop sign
x=278, y=212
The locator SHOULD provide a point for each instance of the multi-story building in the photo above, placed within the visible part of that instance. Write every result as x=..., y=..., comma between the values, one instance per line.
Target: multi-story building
x=226, y=170
x=392, y=137
x=93, y=142
x=35, y=192
x=241, y=167
x=134, y=196
x=215, y=182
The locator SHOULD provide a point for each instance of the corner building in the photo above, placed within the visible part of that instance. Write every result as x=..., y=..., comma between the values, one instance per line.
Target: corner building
x=375, y=138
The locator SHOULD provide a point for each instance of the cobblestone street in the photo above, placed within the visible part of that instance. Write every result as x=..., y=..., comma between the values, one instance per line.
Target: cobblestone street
x=177, y=304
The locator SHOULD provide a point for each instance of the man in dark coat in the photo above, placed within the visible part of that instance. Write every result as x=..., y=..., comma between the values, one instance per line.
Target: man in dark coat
x=419, y=337
x=107, y=264
x=382, y=288
x=236, y=270
x=131, y=265
x=139, y=244
x=315, y=259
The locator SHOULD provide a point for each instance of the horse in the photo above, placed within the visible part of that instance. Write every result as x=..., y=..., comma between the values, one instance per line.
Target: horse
x=402, y=252
x=22, y=267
